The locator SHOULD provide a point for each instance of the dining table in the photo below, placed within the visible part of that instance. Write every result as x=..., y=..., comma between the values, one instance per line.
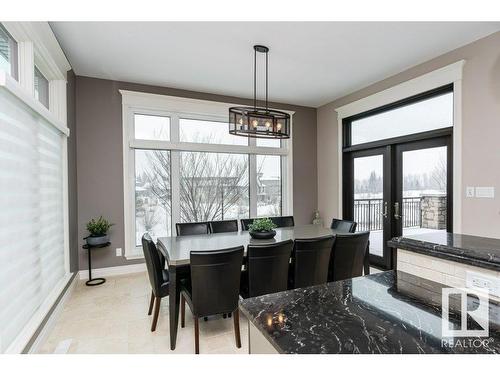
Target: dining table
x=177, y=249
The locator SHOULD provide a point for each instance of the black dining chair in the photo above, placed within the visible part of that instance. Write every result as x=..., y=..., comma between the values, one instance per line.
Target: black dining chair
x=267, y=269
x=283, y=221
x=348, y=256
x=245, y=223
x=310, y=261
x=343, y=226
x=213, y=288
x=223, y=226
x=158, y=276
x=187, y=229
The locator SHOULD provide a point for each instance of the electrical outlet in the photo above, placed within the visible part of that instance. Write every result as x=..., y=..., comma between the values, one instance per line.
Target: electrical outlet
x=469, y=192
x=118, y=251
x=477, y=280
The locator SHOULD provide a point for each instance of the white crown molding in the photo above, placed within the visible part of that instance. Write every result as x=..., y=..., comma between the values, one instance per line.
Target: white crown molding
x=49, y=56
x=440, y=77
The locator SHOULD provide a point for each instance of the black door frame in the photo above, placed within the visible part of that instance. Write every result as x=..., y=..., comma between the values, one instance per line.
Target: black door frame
x=392, y=149
x=348, y=195
x=399, y=149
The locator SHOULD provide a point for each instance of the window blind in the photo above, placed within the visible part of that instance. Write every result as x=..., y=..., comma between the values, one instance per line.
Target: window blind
x=32, y=256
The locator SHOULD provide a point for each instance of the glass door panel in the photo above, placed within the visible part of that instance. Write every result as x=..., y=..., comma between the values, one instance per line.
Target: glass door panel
x=424, y=196
x=369, y=199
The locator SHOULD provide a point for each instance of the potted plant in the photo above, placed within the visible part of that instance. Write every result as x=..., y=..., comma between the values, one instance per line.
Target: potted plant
x=98, y=229
x=262, y=229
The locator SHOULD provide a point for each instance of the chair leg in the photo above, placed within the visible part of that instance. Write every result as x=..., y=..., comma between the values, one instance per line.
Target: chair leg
x=196, y=336
x=156, y=313
x=236, y=319
x=183, y=311
x=151, y=303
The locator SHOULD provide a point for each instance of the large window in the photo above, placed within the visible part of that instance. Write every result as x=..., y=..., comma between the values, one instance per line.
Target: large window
x=182, y=165
x=8, y=52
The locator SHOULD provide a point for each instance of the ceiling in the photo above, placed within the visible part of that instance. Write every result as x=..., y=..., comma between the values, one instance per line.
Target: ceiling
x=310, y=63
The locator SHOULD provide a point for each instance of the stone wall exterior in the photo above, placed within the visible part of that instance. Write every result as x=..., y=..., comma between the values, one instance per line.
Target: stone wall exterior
x=433, y=211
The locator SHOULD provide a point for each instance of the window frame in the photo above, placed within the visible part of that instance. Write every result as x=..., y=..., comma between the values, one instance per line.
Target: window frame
x=14, y=61
x=43, y=90
x=176, y=108
x=429, y=94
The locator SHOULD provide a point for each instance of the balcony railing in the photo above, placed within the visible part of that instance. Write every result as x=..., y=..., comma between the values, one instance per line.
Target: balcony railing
x=368, y=213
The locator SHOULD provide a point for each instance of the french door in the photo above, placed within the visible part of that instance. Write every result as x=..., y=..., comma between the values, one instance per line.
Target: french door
x=402, y=188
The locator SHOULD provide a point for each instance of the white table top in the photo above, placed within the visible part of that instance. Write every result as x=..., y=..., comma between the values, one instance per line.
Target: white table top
x=177, y=249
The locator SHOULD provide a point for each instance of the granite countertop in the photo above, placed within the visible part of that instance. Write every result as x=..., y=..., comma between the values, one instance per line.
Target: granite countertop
x=389, y=312
x=476, y=251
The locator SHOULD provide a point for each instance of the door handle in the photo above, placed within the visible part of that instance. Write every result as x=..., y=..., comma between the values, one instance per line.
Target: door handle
x=385, y=210
x=397, y=216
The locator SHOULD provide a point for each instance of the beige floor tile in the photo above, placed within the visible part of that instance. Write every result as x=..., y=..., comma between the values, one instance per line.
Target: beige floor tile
x=112, y=318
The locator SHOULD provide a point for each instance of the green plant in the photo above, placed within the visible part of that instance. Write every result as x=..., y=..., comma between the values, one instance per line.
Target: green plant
x=98, y=227
x=262, y=225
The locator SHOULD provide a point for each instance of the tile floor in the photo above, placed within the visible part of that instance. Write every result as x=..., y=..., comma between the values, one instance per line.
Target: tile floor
x=112, y=318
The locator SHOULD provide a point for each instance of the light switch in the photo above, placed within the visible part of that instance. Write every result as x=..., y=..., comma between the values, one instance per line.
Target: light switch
x=485, y=192
x=469, y=193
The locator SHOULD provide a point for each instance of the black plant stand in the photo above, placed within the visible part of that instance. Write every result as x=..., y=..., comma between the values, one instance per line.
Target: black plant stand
x=97, y=280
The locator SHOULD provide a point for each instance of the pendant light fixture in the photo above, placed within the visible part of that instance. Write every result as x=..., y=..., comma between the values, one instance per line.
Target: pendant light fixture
x=259, y=122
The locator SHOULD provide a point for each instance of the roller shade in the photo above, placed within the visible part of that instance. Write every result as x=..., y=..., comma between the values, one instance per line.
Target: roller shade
x=32, y=246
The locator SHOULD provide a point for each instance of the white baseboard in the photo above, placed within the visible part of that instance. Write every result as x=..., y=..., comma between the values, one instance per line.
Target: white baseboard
x=49, y=325
x=113, y=271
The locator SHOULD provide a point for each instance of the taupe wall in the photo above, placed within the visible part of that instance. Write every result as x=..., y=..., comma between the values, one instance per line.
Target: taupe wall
x=72, y=178
x=481, y=133
x=99, y=160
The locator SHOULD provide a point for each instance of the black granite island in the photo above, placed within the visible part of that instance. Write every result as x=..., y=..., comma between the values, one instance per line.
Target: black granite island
x=389, y=312
x=449, y=258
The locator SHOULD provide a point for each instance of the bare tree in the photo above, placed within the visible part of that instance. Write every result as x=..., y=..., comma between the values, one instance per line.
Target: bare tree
x=439, y=174
x=150, y=219
x=211, y=184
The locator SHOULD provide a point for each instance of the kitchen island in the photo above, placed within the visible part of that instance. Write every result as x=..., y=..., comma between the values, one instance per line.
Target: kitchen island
x=449, y=258
x=388, y=312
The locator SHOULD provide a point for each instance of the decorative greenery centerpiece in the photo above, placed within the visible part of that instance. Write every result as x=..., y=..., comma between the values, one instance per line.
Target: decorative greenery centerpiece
x=98, y=229
x=262, y=228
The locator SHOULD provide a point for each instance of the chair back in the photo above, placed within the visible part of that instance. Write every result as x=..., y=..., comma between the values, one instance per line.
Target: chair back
x=245, y=223
x=187, y=229
x=215, y=280
x=153, y=263
x=310, y=261
x=268, y=267
x=343, y=226
x=283, y=221
x=223, y=226
x=348, y=255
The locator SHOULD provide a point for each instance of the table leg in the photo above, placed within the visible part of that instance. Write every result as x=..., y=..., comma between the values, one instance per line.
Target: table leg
x=174, y=301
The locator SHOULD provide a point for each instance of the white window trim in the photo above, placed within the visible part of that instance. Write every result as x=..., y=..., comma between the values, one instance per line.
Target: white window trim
x=176, y=107
x=448, y=74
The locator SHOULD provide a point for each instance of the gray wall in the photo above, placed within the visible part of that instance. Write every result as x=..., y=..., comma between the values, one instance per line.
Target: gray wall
x=72, y=181
x=99, y=158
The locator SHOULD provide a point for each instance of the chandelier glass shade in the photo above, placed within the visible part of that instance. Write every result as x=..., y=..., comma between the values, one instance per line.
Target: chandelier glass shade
x=259, y=122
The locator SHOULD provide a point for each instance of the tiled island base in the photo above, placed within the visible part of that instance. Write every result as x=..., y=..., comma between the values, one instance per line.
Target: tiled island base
x=442, y=271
